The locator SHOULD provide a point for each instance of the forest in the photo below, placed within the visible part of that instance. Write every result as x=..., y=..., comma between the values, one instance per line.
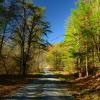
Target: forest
x=28, y=59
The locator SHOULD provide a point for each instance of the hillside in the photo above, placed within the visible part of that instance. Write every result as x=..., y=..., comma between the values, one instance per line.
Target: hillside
x=87, y=88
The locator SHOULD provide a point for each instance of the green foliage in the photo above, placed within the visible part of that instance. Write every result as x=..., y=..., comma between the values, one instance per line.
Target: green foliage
x=58, y=57
x=83, y=35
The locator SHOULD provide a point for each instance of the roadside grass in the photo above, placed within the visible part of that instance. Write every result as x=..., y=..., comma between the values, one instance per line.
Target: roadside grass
x=38, y=73
x=64, y=76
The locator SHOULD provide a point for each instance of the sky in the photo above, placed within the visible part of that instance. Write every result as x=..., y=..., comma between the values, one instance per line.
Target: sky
x=57, y=13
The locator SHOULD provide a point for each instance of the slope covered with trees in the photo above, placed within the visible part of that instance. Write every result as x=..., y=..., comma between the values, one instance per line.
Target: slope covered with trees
x=83, y=36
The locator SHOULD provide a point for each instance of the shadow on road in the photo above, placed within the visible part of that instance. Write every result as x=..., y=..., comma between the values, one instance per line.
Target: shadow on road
x=39, y=98
x=14, y=79
x=39, y=87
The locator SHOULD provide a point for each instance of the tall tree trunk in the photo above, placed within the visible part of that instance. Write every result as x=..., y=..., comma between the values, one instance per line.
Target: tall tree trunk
x=79, y=66
x=87, y=74
x=1, y=47
x=93, y=59
x=2, y=39
x=23, y=54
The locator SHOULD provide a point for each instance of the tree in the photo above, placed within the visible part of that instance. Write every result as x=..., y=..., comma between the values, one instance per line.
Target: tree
x=30, y=30
x=81, y=33
x=22, y=24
